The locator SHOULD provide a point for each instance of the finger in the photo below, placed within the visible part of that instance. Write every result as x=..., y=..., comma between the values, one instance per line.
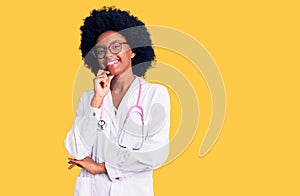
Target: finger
x=102, y=82
x=75, y=163
x=105, y=80
x=101, y=78
x=110, y=77
x=71, y=162
x=100, y=71
x=71, y=166
x=103, y=73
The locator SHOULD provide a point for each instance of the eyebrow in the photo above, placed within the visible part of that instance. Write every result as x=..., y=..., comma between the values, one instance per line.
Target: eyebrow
x=102, y=46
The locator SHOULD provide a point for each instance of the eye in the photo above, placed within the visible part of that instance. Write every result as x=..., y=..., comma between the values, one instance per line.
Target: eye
x=116, y=46
x=101, y=50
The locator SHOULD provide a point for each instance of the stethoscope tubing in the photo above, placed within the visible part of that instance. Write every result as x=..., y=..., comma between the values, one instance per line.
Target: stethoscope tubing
x=101, y=122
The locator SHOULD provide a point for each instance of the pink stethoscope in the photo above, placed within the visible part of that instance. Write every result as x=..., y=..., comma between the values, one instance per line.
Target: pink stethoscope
x=101, y=122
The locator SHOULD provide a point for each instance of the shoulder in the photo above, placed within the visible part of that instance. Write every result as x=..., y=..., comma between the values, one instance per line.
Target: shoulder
x=153, y=89
x=153, y=86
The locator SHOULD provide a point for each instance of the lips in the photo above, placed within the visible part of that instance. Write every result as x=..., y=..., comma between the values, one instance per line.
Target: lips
x=112, y=63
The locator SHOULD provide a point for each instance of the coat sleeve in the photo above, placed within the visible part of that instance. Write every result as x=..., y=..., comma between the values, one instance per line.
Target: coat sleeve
x=122, y=162
x=80, y=138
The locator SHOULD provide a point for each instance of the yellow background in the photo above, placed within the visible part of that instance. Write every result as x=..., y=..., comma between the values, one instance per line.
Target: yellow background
x=256, y=46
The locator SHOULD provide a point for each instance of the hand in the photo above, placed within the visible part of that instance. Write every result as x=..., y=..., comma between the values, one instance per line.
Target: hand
x=102, y=83
x=101, y=87
x=89, y=164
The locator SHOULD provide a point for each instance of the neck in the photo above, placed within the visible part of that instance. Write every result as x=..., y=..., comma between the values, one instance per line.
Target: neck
x=122, y=82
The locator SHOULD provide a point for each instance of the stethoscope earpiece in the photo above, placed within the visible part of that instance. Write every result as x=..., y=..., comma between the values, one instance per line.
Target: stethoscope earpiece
x=101, y=124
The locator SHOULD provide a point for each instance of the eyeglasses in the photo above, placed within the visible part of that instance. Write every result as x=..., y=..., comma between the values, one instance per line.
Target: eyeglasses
x=115, y=48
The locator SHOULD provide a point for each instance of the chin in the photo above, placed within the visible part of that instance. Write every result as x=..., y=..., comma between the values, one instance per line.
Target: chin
x=113, y=72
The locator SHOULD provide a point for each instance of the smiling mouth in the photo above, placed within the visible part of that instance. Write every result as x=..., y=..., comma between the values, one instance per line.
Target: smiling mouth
x=112, y=63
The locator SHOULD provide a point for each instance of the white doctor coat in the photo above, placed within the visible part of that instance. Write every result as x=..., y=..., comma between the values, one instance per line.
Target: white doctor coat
x=129, y=172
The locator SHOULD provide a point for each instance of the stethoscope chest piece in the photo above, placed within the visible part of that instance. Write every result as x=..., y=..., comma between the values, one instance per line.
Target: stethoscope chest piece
x=101, y=124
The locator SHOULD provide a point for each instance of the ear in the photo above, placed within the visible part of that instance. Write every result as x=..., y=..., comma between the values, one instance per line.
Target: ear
x=132, y=55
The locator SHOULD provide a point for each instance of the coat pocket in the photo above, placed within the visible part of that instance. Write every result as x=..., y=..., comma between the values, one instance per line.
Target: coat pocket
x=83, y=186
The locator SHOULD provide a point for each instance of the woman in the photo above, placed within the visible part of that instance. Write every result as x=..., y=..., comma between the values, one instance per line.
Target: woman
x=121, y=130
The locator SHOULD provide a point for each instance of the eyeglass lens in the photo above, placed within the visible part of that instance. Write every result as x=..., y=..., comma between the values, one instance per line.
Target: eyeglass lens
x=114, y=48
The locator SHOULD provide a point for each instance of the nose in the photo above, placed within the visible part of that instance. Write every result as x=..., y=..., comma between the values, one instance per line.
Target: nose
x=108, y=54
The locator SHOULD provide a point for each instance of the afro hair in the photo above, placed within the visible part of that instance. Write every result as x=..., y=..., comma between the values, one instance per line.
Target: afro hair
x=134, y=30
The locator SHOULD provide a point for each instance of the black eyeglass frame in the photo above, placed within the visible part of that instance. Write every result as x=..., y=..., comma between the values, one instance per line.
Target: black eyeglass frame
x=96, y=53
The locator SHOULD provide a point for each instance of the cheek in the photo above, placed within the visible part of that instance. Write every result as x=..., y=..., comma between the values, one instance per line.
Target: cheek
x=127, y=55
x=101, y=64
x=127, y=59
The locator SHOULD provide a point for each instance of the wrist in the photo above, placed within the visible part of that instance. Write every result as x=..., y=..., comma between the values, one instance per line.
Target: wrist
x=101, y=168
x=96, y=101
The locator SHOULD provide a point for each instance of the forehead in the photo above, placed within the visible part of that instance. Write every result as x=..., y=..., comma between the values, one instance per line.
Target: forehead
x=108, y=37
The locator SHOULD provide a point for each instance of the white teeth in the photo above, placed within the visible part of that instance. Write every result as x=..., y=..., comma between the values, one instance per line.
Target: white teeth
x=112, y=62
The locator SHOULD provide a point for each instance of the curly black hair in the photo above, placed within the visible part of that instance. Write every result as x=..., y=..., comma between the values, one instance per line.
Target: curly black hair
x=134, y=30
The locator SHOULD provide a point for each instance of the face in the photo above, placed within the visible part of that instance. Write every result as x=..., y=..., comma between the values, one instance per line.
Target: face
x=115, y=53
